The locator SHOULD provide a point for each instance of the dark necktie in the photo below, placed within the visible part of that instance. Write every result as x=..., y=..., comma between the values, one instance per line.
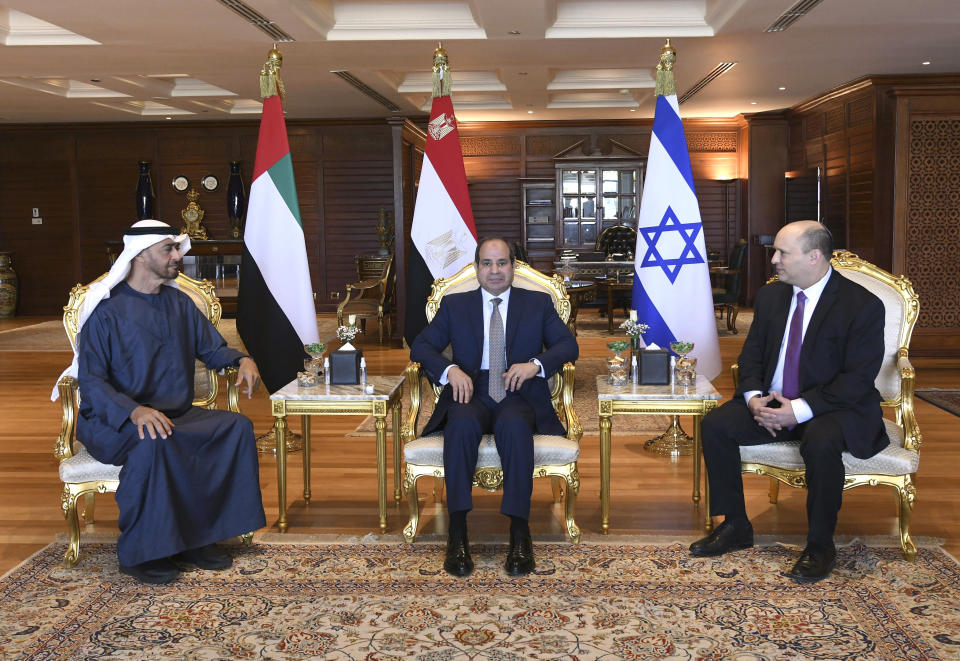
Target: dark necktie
x=497, y=359
x=791, y=362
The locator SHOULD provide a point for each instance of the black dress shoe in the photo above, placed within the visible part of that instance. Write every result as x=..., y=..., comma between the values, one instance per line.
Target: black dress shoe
x=520, y=556
x=154, y=572
x=815, y=563
x=724, y=538
x=210, y=556
x=458, y=561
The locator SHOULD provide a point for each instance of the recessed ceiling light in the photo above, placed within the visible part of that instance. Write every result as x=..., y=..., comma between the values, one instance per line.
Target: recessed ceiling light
x=529, y=112
x=168, y=117
x=781, y=88
x=514, y=32
x=633, y=110
x=94, y=80
x=753, y=103
x=926, y=64
x=624, y=91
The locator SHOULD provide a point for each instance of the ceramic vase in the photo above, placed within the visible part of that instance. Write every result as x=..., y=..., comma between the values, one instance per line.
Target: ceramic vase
x=145, y=195
x=236, y=200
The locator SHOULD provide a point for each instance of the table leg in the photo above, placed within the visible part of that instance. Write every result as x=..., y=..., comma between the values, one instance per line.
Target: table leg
x=605, y=431
x=381, y=425
x=396, y=452
x=279, y=430
x=609, y=309
x=697, y=453
x=305, y=430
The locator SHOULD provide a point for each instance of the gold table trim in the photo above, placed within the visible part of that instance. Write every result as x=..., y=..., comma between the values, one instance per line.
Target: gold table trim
x=340, y=406
x=610, y=407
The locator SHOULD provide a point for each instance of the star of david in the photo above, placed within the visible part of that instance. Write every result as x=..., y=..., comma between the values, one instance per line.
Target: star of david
x=689, y=254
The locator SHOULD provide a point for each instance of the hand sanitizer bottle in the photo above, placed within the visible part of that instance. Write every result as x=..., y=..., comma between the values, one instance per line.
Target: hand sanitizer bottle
x=326, y=370
x=363, y=372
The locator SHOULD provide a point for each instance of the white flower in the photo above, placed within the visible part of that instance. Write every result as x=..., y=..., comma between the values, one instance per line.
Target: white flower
x=347, y=333
x=634, y=329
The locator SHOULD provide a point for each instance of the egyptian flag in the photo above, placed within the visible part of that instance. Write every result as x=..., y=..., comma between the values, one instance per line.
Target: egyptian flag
x=443, y=234
x=275, y=313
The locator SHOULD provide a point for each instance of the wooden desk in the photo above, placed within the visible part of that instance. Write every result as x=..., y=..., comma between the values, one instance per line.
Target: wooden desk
x=612, y=287
x=633, y=399
x=339, y=400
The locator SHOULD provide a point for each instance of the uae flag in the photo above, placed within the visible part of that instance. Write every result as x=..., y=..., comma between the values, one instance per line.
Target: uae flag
x=275, y=313
x=443, y=234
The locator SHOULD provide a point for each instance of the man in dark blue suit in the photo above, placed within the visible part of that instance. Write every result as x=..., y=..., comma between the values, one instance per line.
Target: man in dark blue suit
x=506, y=343
x=807, y=373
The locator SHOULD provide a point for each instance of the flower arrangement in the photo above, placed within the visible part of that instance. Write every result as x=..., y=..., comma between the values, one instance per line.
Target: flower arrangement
x=634, y=329
x=682, y=348
x=347, y=333
x=618, y=346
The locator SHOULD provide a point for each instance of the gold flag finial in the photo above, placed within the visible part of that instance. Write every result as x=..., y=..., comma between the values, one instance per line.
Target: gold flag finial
x=665, y=85
x=441, y=72
x=270, y=82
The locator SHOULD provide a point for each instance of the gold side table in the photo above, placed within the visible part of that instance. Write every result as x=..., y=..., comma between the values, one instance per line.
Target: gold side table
x=633, y=399
x=339, y=400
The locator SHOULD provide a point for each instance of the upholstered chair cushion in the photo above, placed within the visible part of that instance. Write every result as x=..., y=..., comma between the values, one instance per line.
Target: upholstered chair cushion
x=888, y=380
x=201, y=381
x=547, y=451
x=81, y=467
x=893, y=460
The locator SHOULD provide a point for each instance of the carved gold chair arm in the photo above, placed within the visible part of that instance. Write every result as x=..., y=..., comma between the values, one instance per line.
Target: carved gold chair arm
x=735, y=373
x=233, y=390
x=912, y=439
x=413, y=375
x=68, y=422
x=574, y=428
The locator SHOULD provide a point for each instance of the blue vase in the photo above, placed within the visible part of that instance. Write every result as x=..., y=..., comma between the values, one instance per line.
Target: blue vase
x=236, y=199
x=145, y=196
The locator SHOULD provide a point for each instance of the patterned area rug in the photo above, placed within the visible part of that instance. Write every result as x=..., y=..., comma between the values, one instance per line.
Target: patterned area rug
x=50, y=336
x=383, y=601
x=948, y=400
x=584, y=403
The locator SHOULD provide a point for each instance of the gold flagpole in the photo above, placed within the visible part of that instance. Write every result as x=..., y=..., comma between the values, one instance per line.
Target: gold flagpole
x=272, y=85
x=674, y=441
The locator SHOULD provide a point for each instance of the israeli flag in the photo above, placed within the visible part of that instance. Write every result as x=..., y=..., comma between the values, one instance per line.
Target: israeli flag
x=671, y=279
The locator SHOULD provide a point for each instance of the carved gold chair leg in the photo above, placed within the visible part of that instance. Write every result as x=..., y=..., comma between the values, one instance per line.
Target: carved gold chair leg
x=247, y=539
x=557, y=484
x=439, y=485
x=573, y=487
x=380, y=328
x=774, y=490
x=88, y=513
x=732, y=311
x=906, y=494
x=69, y=504
x=413, y=502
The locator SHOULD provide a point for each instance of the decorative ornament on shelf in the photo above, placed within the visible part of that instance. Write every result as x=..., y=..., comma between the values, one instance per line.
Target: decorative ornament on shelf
x=385, y=231
x=236, y=200
x=193, y=217
x=145, y=195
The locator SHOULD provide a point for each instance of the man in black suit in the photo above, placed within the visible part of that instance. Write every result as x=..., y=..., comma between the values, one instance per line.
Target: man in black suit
x=807, y=372
x=507, y=341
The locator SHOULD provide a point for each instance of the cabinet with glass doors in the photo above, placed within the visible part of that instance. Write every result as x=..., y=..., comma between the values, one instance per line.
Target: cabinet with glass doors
x=593, y=197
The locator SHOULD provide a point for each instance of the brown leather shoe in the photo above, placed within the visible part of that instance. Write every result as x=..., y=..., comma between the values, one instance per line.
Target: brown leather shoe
x=723, y=539
x=815, y=563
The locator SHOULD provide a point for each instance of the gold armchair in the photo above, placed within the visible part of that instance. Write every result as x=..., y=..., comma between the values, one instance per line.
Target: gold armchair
x=370, y=297
x=554, y=456
x=896, y=464
x=81, y=474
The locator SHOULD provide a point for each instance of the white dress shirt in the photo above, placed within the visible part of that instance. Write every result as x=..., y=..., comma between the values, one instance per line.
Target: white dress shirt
x=801, y=410
x=487, y=311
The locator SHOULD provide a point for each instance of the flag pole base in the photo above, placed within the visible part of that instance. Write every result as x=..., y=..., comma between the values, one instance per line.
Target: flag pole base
x=673, y=442
x=267, y=443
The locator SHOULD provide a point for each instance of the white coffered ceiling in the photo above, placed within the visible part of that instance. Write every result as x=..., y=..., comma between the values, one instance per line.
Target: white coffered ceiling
x=124, y=60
